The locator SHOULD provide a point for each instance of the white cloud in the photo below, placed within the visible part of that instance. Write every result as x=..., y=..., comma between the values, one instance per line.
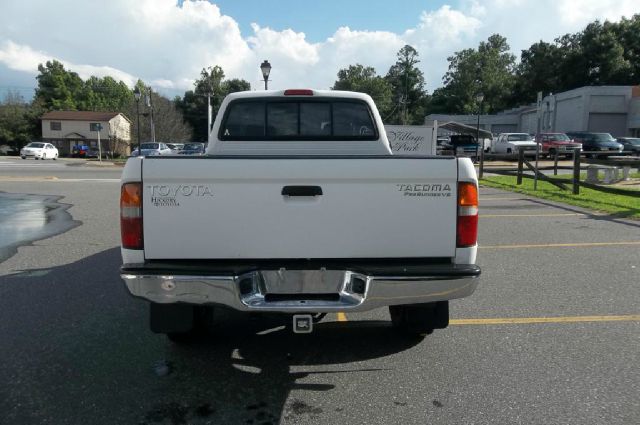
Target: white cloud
x=167, y=44
x=578, y=16
x=285, y=44
x=525, y=22
x=24, y=58
x=21, y=58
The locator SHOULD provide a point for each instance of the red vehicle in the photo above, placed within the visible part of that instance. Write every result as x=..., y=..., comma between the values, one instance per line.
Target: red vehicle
x=550, y=143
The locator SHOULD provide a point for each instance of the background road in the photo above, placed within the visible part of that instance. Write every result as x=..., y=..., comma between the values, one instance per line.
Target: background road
x=550, y=336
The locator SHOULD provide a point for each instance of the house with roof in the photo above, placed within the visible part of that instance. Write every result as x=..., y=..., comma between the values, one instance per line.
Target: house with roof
x=64, y=129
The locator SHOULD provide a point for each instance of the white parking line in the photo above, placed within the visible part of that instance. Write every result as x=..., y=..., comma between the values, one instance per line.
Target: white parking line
x=85, y=180
x=52, y=179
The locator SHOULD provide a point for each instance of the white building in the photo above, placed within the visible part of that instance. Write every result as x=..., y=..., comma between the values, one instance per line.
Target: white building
x=606, y=109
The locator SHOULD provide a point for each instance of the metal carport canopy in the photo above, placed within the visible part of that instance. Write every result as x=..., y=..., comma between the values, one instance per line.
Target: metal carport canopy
x=464, y=129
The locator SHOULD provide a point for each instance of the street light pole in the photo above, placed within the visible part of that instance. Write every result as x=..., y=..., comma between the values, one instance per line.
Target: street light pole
x=209, y=113
x=265, y=67
x=136, y=95
x=480, y=98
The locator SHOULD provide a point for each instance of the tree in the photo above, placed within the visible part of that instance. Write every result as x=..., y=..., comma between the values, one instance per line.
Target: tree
x=461, y=84
x=604, y=55
x=104, y=94
x=408, y=88
x=19, y=121
x=488, y=70
x=58, y=89
x=365, y=80
x=539, y=70
x=497, y=68
x=169, y=122
x=628, y=35
x=194, y=102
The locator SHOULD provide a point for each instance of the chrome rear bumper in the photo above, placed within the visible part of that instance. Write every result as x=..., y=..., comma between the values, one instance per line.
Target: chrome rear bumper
x=320, y=290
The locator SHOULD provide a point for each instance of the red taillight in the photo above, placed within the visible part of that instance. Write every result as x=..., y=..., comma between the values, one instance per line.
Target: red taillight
x=298, y=92
x=467, y=226
x=131, y=216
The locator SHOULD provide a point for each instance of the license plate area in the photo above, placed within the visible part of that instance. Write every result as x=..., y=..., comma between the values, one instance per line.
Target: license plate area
x=285, y=281
x=304, y=289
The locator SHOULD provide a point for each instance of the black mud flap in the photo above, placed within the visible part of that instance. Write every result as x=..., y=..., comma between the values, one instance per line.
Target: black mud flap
x=171, y=318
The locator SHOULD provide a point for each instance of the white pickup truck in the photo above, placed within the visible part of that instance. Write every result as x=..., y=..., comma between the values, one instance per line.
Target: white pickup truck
x=299, y=207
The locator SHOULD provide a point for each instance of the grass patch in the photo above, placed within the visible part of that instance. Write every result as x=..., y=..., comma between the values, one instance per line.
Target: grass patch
x=619, y=205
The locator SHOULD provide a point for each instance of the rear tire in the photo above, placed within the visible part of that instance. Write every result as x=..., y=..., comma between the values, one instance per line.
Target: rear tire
x=23, y=157
x=420, y=319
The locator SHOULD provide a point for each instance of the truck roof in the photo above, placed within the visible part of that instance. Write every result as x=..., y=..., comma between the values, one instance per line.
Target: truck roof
x=283, y=93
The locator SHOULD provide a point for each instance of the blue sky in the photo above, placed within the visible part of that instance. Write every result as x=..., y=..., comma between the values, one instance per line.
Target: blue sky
x=319, y=19
x=167, y=44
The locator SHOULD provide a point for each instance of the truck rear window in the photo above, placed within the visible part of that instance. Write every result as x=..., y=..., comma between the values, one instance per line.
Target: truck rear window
x=321, y=119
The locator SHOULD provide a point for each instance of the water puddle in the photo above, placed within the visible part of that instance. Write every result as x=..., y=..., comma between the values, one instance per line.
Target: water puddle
x=28, y=218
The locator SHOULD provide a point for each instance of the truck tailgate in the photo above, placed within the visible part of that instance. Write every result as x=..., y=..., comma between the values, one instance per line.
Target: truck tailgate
x=271, y=208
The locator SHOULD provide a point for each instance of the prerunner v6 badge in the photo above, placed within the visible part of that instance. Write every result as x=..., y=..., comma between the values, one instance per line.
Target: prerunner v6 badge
x=429, y=190
x=168, y=195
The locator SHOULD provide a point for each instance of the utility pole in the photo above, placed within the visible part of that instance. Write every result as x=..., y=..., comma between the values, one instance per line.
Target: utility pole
x=538, y=113
x=99, y=128
x=136, y=95
x=150, y=105
x=480, y=142
x=209, y=111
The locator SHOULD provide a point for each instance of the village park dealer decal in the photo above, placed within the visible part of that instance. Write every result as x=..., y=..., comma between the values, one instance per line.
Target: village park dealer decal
x=167, y=195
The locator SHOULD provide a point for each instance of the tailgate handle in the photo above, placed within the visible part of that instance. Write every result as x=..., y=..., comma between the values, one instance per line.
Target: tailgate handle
x=301, y=191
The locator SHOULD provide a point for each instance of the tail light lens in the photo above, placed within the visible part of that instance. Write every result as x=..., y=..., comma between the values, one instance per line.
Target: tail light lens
x=467, y=230
x=131, y=216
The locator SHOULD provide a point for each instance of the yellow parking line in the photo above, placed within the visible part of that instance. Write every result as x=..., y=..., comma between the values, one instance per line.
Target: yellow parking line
x=562, y=319
x=342, y=317
x=560, y=245
x=530, y=215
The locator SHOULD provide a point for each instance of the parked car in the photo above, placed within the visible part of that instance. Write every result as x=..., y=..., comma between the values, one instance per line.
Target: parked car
x=465, y=144
x=150, y=149
x=93, y=153
x=39, y=150
x=595, y=142
x=510, y=143
x=630, y=144
x=79, y=151
x=442, y=144
x=193, y=149
x=550, y=143
x=175, y=147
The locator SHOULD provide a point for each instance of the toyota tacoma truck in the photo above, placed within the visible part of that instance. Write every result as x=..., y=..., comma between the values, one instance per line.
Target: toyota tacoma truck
x=299, y=207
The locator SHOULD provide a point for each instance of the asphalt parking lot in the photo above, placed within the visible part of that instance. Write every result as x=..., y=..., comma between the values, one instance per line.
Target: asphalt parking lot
x=550, y=336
